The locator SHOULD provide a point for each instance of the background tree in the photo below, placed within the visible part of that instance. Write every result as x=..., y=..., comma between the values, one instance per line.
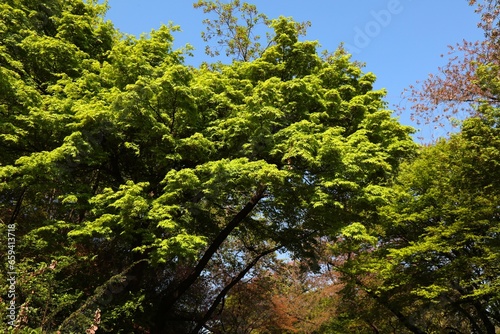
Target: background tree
x=286, y=298
x=236, y=34
x=434, y=266
x=441, y=242
x=240, y=35
x=456, y=91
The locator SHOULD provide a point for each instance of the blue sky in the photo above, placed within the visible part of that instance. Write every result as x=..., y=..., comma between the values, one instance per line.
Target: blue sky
x=401, y=41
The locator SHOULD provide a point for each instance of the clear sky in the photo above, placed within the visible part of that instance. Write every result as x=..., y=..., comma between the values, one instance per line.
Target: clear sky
x=401, y=41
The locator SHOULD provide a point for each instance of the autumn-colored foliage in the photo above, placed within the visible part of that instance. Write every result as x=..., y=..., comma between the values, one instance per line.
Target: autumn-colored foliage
x=455, y=92
x=290, y=299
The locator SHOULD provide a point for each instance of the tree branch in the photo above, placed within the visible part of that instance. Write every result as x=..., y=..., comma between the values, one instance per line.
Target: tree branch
x=222, y=294
x=170, y=299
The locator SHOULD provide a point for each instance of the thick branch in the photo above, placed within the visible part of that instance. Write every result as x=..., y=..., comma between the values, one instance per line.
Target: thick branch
x=482, y=313
x=171, y=298
x=222, y=294
x=401, y=317
x=18, y=206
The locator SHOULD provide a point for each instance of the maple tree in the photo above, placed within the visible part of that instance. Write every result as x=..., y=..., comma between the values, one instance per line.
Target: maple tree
x=236, y=34
x=144, y=190
x=438, y=253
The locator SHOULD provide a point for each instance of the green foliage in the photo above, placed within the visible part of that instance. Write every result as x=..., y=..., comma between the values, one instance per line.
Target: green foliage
x=121, y=166
x=439, y=248
x=236, y=33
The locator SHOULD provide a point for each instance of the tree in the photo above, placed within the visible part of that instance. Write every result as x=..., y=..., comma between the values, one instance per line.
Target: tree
x=239, y=35
x=436, y=260
x=143, y=190
x=462, y=84
x=445, y=229
x=434, y=265
x=236, y=34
